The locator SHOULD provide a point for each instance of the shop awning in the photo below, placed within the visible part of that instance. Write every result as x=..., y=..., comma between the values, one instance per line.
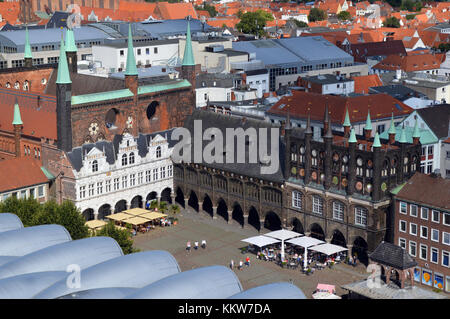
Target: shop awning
x=328, y=249
x=152, y=215
x=260, y=241
x=136, y=221
x=119, y=216
x=135, y=211
x=93, y=224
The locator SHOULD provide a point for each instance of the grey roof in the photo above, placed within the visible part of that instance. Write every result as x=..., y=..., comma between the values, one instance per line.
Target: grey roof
x=398, y=91
x=326, y=79
x=138, y=44
x=392, y=255
x=222, y=80
x=101, y=293
x=165, y=28
x=83, y=252
x=9, y=221
x=222, y=122
x=437, y=118
x=147, y=267
x=213, y=282
x=277, y=290
x=26, y=240
x=269, y=51
x=27, y=285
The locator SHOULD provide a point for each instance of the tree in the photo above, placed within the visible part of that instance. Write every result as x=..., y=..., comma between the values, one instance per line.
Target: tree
x=344, y=15
x=444, y=47
x=317, y=14
x=122, y=236
x=25, y=209
x=211, y=9
x=254, y=22
x=411, y=5
x=299, y=24
x=392, y=22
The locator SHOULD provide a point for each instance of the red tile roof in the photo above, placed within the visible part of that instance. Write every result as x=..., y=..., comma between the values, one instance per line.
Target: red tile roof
x=20, y=172
x=381, y=106
x=409, y=63
x=363, y=83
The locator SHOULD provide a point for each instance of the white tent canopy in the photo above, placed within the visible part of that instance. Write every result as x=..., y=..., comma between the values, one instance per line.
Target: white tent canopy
x=260, y=241
x=305, y=241
x=328, y=249
x=283, y=234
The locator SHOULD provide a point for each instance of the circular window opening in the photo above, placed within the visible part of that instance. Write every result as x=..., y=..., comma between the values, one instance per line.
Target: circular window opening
x=151, y=109
x=110, y=118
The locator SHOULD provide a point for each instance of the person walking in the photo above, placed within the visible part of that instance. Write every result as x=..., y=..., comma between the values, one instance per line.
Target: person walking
x=232, y=264
x=241, y=264
x=196, y=245
x=247, y=261
x=204, y=244
x=188, y=246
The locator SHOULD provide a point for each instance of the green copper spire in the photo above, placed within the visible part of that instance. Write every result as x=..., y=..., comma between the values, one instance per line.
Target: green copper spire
x=416, y=132
x=27, y=50
x=188, y=57
x=376, y=140
x=368, y=122
x=70, y=41
x=392, y=128
x=17, y=119
x=131, y=61
x=347, y=118
x=63, y=69
x=403, y=135
x=352, y=138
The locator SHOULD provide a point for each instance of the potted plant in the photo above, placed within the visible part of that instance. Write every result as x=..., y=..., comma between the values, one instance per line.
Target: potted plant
x=243, y=250
x=308, y=271
x=283, y=263
x=175, y=220
x=331, y=264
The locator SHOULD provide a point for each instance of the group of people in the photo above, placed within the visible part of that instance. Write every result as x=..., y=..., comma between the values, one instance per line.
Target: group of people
x=241, y=264
x=188, y=245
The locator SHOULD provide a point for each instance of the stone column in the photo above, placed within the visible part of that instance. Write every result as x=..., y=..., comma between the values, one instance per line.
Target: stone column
x=172, y=196
x=245, y=222
x=159, y=199
x=186, y=201
x=96, y=215
x=214, y=212
x=261, y=222
x=328, y=240
x=307, y=233
x=230, y=216
x=200, y=206
x=128, y=205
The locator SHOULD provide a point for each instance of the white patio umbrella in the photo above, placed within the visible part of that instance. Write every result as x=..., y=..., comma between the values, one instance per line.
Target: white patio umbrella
x=305, y=242
x=260, y=240
x=328, y=249
x=283, y=234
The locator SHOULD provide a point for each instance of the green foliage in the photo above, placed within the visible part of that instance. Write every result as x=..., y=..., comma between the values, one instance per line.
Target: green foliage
x=32, y=213
x=211, y=9
x=392, y=22
x=122, y=236
x=410, y=16
x=411, y=5
x=299, y=24
x=254, y=22
x=344, y=15
x=444, y=47
x=317, y=14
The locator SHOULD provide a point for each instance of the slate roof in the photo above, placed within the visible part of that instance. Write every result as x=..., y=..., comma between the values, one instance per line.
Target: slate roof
x=437, y=118
x=361, y=51
x=222, y=122
x=86, y=84
x=392, y=255
x=398, y=91
x=222, y=80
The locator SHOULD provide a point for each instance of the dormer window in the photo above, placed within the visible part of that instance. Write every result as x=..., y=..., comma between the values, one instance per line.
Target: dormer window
x=131, y=158
x=124, y=160
x=94, y=166
x=158, y=152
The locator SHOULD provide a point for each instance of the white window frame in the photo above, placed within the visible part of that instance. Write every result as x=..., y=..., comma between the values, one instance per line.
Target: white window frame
x=338, y=210
x=297, y=199
x=400, y=208
x=317, y=206
x=411, y=210
x=413, y=243
x=410, y=229
x=400, y=226
x=422, y=209
x=443, y=219
x=432, y=232
x=443, y=238
x=400, y=241
x=420, y=252
x=445, y=252
x=434, y=249
x=43, y=191
x=432, y=216
x=421, y=235
x=362, y=217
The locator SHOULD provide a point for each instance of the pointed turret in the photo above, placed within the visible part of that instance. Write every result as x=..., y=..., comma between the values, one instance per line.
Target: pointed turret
x=325, y=119
x=188, y=56
x=17, y=123
x=416, y=133
x=403, y=135
x=352, y=138
x=71, y=51
x=63, y=76
x=392, y=131
x=28, y=57
x=17, y=118
x=308, y=125
x=347, y=123
x=131, y=61
x=376, y=141
x=368, y=127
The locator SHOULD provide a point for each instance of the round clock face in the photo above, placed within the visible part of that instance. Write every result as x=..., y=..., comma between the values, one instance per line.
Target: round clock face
x=345, y=159
x=130, y=122
x=369, y=163
x=369, y=188
x=314, y=153
x=335, y=180
x=383, y=187
x=302, y=150
x=359, y=161
x=302, y=172
x=335, y=157
x=359, y=186
x=314, y=175
x=93, y=128
x=405, y=160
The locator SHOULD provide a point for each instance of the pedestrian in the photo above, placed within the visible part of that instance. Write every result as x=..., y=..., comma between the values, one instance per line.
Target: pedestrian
x=188, y=246
x=204, y=244
x=232, y=264
x=196, y=245
x=247, y=261
x=241, y=264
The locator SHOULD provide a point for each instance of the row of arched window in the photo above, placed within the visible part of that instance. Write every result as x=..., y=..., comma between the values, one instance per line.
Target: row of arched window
x=28, y=152
x=25, y=86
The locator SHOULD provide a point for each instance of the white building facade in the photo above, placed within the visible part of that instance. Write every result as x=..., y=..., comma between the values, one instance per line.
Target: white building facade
x=129, y=172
